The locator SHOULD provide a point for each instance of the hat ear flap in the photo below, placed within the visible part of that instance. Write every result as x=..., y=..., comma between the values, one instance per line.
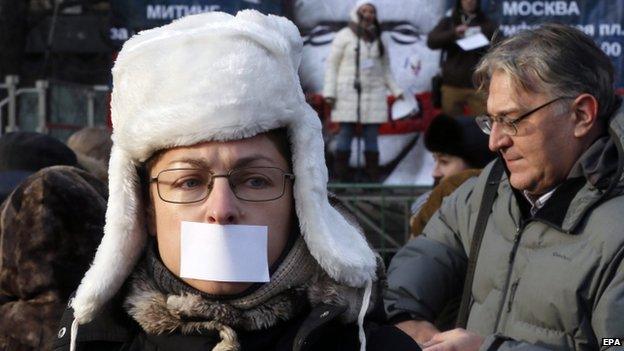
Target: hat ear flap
x=337, y=245
x=123, y=241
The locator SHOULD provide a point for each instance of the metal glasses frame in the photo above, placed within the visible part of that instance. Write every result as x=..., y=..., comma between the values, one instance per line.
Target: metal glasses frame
x=227, y=175
x=486, y=122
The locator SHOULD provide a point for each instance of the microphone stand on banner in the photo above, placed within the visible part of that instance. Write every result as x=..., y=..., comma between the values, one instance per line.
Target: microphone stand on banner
x=358, y=88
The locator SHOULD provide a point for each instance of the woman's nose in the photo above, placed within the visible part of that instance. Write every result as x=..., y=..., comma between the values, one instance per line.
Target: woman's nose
x=437, y=172
x=222, y=206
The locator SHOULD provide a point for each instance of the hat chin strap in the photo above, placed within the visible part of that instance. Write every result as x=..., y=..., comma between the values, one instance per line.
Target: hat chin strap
x=73, y=334
x=363, y=309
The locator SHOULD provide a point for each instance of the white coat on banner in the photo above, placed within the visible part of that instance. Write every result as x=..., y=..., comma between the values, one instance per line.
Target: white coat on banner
x=405, y=25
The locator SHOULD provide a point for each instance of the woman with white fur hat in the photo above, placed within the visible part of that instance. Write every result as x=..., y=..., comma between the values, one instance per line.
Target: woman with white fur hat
x=219, y=234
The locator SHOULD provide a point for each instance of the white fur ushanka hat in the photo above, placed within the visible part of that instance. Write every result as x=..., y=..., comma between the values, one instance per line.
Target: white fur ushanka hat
x=214, y=77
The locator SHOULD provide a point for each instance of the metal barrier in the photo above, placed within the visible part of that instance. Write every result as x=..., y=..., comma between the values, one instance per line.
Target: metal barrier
x=42, y=91
x=10, y=85
x=382, y=211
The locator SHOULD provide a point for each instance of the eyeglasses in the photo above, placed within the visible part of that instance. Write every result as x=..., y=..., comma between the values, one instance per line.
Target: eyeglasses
x=510, y=127
x=189, y=185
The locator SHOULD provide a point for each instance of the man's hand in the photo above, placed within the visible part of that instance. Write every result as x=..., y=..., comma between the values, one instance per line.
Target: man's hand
x=454, y=340
x=420, y=331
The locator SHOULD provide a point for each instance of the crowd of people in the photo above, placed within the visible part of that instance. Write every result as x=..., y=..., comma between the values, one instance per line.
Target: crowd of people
x=203, y=222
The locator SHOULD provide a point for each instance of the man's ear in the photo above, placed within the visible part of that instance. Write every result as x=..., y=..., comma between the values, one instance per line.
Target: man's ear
x=585, y=110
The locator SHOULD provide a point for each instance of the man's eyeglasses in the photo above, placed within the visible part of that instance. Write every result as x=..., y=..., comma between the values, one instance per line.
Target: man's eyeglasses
x=510, y=127
x=189, y=185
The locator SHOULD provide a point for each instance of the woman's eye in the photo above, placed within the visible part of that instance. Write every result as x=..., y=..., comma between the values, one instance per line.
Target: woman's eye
x=257, y=182
x=190, y=183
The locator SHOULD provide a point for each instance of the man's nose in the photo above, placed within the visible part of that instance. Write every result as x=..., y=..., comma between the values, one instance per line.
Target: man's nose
x=222, y=206
x=498, y=140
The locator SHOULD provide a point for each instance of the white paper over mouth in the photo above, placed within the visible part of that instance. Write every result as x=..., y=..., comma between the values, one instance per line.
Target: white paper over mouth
x=224, y=253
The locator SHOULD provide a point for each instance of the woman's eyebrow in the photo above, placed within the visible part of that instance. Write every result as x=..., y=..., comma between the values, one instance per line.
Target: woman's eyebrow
x=199, y=163
x=245, y=161
x=241, y=162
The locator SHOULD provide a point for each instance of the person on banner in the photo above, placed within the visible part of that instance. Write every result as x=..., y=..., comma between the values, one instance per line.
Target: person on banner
x=219, y=233
x=534, y=245
x=356, y=87
x=466, y=21
x=404, y=23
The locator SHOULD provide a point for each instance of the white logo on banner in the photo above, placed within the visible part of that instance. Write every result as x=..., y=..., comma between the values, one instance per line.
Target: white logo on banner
x=540, y=8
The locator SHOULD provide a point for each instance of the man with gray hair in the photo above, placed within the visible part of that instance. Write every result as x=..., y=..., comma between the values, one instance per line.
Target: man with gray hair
x=535, y=241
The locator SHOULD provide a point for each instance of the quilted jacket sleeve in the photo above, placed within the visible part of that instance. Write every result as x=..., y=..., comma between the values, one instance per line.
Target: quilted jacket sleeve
x=442, y=35
x=608, y=314
x=429, y=271
x=333, y=63
x=500, y=343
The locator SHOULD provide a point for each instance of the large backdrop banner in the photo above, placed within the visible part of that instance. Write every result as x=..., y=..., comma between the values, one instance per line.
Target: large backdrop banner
x=406, y=24
x=131, y=16
x=603, y=20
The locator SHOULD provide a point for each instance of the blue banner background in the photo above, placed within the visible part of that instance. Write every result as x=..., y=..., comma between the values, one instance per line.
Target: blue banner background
x=603, y=20
x=131, y=16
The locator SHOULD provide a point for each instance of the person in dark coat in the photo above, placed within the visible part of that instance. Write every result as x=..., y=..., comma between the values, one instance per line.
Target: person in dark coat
x=460, y=151
x=219, y=233
x=92, y=146
x=458, y=64
x=457, y=144
x=24, y=153
x=50, y=227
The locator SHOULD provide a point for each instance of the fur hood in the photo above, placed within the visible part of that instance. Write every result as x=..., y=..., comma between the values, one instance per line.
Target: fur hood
x=50, y=227
x=214, y=77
